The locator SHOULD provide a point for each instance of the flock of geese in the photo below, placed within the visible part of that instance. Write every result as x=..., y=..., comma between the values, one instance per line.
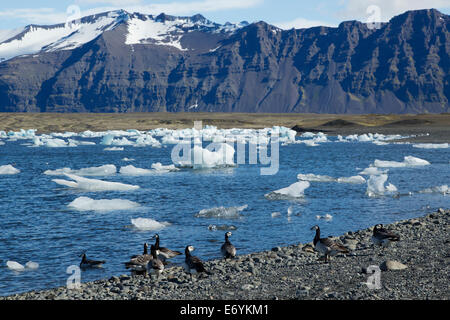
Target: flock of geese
x=155, y=261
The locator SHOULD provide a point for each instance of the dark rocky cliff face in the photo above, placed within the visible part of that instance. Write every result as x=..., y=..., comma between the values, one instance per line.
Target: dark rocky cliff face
x=402, y=67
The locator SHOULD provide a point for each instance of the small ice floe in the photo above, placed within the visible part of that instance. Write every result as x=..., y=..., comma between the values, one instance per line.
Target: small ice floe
x=127, y=159
x=275, y=214
x=431, y=145
x=373, y=171
x=221, y=212
x=320, y=178
x=200, y=158
x=295, y=190
x=113, y=149
x=88, y=204
x=376, y=187
x=409, y=161
x=214, y=227
x=15, y=266
x=290, y=210
x=164, y=168
x=105, y=170
x=147, y=224
x=133, y=171
x=438, y=189
x=326, y=217
x=93, y=184
x=8, y=169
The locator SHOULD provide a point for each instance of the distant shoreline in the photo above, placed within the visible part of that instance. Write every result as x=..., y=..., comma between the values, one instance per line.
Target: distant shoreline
x=437, y=125
x=294, y=272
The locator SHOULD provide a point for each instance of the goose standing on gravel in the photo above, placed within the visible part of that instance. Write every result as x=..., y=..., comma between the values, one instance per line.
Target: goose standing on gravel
x=139, y=263
x=383, y=237
x=164, y=253
x=155, y=266
x=327, y=246
x=227, y=249
x=193, y=264
x=87, y=263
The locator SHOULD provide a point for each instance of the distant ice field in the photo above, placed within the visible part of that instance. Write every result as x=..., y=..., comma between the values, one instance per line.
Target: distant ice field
x=64, y=193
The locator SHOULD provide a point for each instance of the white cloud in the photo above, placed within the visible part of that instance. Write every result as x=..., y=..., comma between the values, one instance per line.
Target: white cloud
x=44, y=16
x=357, y=9
x=300, y=23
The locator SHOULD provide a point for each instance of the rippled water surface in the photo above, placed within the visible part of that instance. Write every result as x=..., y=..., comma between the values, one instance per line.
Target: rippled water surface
x=37, y=224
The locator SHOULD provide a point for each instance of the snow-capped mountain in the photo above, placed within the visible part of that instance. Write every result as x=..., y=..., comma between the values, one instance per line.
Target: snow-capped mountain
x=131, y=62
x=140, y=29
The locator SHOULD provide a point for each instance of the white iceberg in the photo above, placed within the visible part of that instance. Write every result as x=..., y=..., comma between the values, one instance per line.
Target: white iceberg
x=221, y=212
x=408, y=161
x=444, y=189
x=113, y=149
x=322, y=178
x=105, y=170
x=431, y=145
x=325, y=217
x=133, y=171
x=203, y=158
x=295, y=190
x=8, y=169
x=147, y=224
x=375, y=185
x=93, y=184
x=163, y=168
x=15, y=266
x=31, y=265
x=88, y=204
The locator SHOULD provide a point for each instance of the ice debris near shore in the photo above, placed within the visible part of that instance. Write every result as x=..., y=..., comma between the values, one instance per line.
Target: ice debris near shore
x=147, y=224
x=93, y=184
x=221, y=212
x=8, y=169
x=15, y=266
x=88, y=204
x=295, y=190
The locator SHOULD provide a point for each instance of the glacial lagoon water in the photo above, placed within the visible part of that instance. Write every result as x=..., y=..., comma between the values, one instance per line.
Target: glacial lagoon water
x=189, y=206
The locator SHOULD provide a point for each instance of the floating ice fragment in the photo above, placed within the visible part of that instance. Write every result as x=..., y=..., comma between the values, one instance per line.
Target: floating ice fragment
x=13, y=265
x=105, y=170
x=409, y=161
x=431, y=145
x=162, y=168
x=32, y=265
x=133, y=171
x=147, y=224
x=375, y=185
x=325, y=217
x=295, y=190
x=320, y=178
x=444, y=189
x=221, y=212
x=88, y=204
x=113, y=149
x=93, y=184
x=8, y=169
x=275, y=214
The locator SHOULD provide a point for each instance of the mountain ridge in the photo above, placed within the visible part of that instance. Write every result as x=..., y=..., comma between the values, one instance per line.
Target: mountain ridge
x=136, y=63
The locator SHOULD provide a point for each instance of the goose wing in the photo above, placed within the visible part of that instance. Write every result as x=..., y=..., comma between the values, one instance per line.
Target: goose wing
x=332, y=245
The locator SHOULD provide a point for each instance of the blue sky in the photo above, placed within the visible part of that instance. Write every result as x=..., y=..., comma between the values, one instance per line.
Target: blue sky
x=283, y=13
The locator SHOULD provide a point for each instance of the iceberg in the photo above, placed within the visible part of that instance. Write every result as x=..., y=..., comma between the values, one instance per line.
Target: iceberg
x=88, y=204
x=133, y=171
x=113, y=149
x=375, y=185
x=325, y=217
x=409, y=161
x=147, y=224
x=319, y=178
x=105, y=170
x=93, y=184
x=295, y=190
x=31, y=265
x=431, y=145
x=164, y=168
x=15, y=266
x=203, y=158
x=438, y=189
x=221, y=212
x=8, y=169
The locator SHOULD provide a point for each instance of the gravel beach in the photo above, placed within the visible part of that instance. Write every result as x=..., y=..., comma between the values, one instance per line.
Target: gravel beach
x=416, y=267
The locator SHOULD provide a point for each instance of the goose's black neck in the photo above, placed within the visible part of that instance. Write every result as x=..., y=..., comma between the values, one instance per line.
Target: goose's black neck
x=153, y=252
x=145, y=249
x=187, y=252
x=226, y=238
x=317, y=236
x=157, y=242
